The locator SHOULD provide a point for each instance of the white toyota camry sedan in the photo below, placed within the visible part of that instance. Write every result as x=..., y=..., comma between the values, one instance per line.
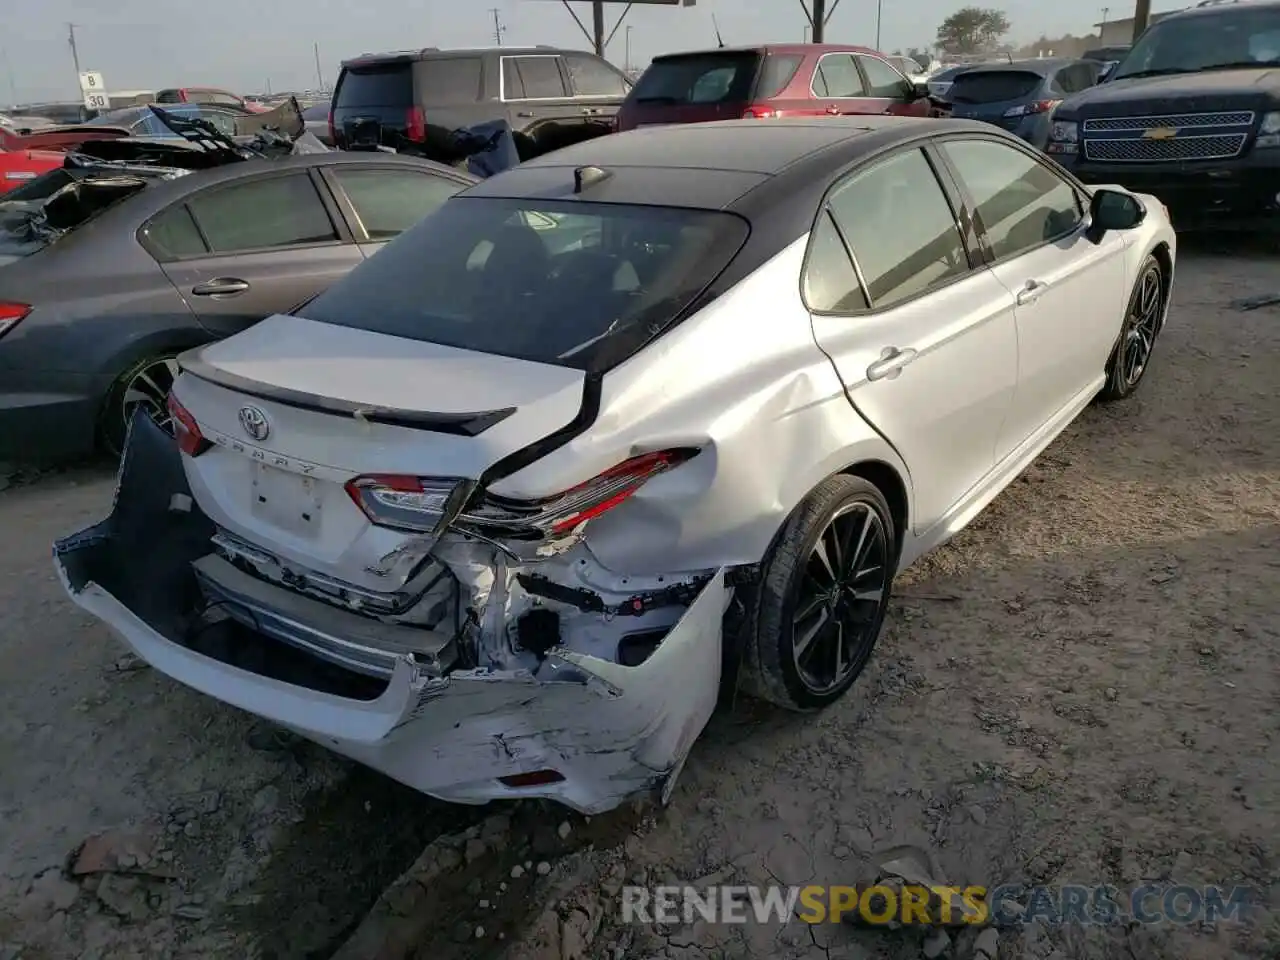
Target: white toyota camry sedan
x=503, y=511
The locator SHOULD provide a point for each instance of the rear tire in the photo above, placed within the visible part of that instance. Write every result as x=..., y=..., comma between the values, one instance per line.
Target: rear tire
x=1131, y=355
x=822, y=597
x=146, y=384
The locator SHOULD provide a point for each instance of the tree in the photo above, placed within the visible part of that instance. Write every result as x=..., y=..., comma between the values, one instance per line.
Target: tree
x=972, y=30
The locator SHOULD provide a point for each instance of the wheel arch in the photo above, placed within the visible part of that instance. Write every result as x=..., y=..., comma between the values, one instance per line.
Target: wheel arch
x=886, y=478
x=1164, y=256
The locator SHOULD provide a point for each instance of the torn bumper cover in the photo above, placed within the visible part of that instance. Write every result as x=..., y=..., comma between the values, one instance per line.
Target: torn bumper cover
x=584, y=730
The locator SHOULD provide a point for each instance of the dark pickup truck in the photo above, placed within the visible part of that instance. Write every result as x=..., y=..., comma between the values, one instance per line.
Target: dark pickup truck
x=1190, y=115
x=414, y=100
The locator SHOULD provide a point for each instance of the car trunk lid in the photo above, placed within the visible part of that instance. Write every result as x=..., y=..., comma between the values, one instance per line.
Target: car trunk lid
x=295, y=409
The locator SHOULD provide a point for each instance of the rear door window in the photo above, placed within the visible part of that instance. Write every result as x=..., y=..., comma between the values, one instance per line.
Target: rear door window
x=532, y=78
x=778, y=71
x=389, y=202
x=900, y=228
x=260, y=214
x=830, y=284
x=993, y=86
x=698, y=78
x=577, y=284
x=449, y=80
x=390, y=85
x=594, y=78
x=837, y=77
x=882, y=80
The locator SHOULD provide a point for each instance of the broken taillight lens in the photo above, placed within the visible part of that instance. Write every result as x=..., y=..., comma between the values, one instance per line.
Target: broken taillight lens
x=10, y=315
x=413, y=504
x=555, y=516
x=185, y=429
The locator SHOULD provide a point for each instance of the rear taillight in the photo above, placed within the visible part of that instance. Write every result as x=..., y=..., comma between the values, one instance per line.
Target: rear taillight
x=558, y=515
x=413, y=504
x=333, y=131
x=1032, y=108
x=415, y=125
x=422, y=504
x=190, y=440
x=760, y=113
x=11, y=314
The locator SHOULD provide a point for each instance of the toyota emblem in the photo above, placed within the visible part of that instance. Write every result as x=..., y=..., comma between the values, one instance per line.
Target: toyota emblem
x=255, y=423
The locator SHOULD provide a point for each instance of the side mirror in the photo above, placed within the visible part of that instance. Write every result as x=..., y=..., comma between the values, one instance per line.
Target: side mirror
x=919, y=88
x=1113, y=210
x=1105, y=72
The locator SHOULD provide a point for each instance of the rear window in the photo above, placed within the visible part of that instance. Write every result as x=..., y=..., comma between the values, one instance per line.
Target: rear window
x=993, y=86
x=383, y=86
x=582, y=285
x=698, y=78
x=779, y=69
x=450, y=80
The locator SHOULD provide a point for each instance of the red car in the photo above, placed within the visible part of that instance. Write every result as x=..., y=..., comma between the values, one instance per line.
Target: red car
x=19, y=166
x=777, y=80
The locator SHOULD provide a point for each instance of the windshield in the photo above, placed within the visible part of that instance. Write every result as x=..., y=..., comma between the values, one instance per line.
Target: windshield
x=1238, y=37
x=576, y=284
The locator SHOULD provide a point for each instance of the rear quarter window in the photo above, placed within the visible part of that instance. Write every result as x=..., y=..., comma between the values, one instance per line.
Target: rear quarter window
x=778, y=71
x=449, y=80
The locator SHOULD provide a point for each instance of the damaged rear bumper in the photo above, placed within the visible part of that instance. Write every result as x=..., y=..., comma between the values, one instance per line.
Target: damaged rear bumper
x=585, y=731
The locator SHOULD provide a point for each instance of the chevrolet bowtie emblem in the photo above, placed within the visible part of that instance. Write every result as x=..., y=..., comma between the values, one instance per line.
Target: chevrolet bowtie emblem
x=1160, y=133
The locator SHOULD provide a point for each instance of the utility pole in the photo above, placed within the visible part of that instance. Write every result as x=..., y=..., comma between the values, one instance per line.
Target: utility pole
x=597, y=26
x=319, y=72
x=879, y=5
x=75, y=54
x=627, y=64
x=1102, y=27
x=498, y=28
x=819, y=20
x=1141, y=14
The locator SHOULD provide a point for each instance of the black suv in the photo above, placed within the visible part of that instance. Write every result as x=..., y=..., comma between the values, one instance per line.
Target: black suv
x=1191, y=115
x=414, y=100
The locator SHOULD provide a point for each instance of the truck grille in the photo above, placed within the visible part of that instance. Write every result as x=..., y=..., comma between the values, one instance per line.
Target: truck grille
x=1196, y=136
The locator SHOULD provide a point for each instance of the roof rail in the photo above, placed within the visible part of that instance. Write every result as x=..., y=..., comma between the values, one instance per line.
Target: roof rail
x=1214, y=3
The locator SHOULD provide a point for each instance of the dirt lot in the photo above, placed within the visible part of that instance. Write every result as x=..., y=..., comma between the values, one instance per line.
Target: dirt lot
x=1080, y=688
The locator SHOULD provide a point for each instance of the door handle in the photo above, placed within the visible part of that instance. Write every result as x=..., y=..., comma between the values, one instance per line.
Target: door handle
x=833, y=110
x=890, y=364
x=590, y=111
x=220, y=287
x=1032, y=292
x=526, y=113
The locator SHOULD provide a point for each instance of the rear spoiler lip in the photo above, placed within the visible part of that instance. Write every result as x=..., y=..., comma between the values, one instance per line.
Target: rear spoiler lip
x=453, y=424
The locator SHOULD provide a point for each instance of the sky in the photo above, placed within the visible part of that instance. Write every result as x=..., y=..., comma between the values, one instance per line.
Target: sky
x=248, y=45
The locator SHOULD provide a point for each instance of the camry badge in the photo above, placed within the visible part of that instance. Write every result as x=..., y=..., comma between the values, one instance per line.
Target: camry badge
x=1160, y=133
x=254, y=422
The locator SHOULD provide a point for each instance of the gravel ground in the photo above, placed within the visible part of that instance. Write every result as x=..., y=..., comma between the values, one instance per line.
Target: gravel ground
x=1079, y=688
